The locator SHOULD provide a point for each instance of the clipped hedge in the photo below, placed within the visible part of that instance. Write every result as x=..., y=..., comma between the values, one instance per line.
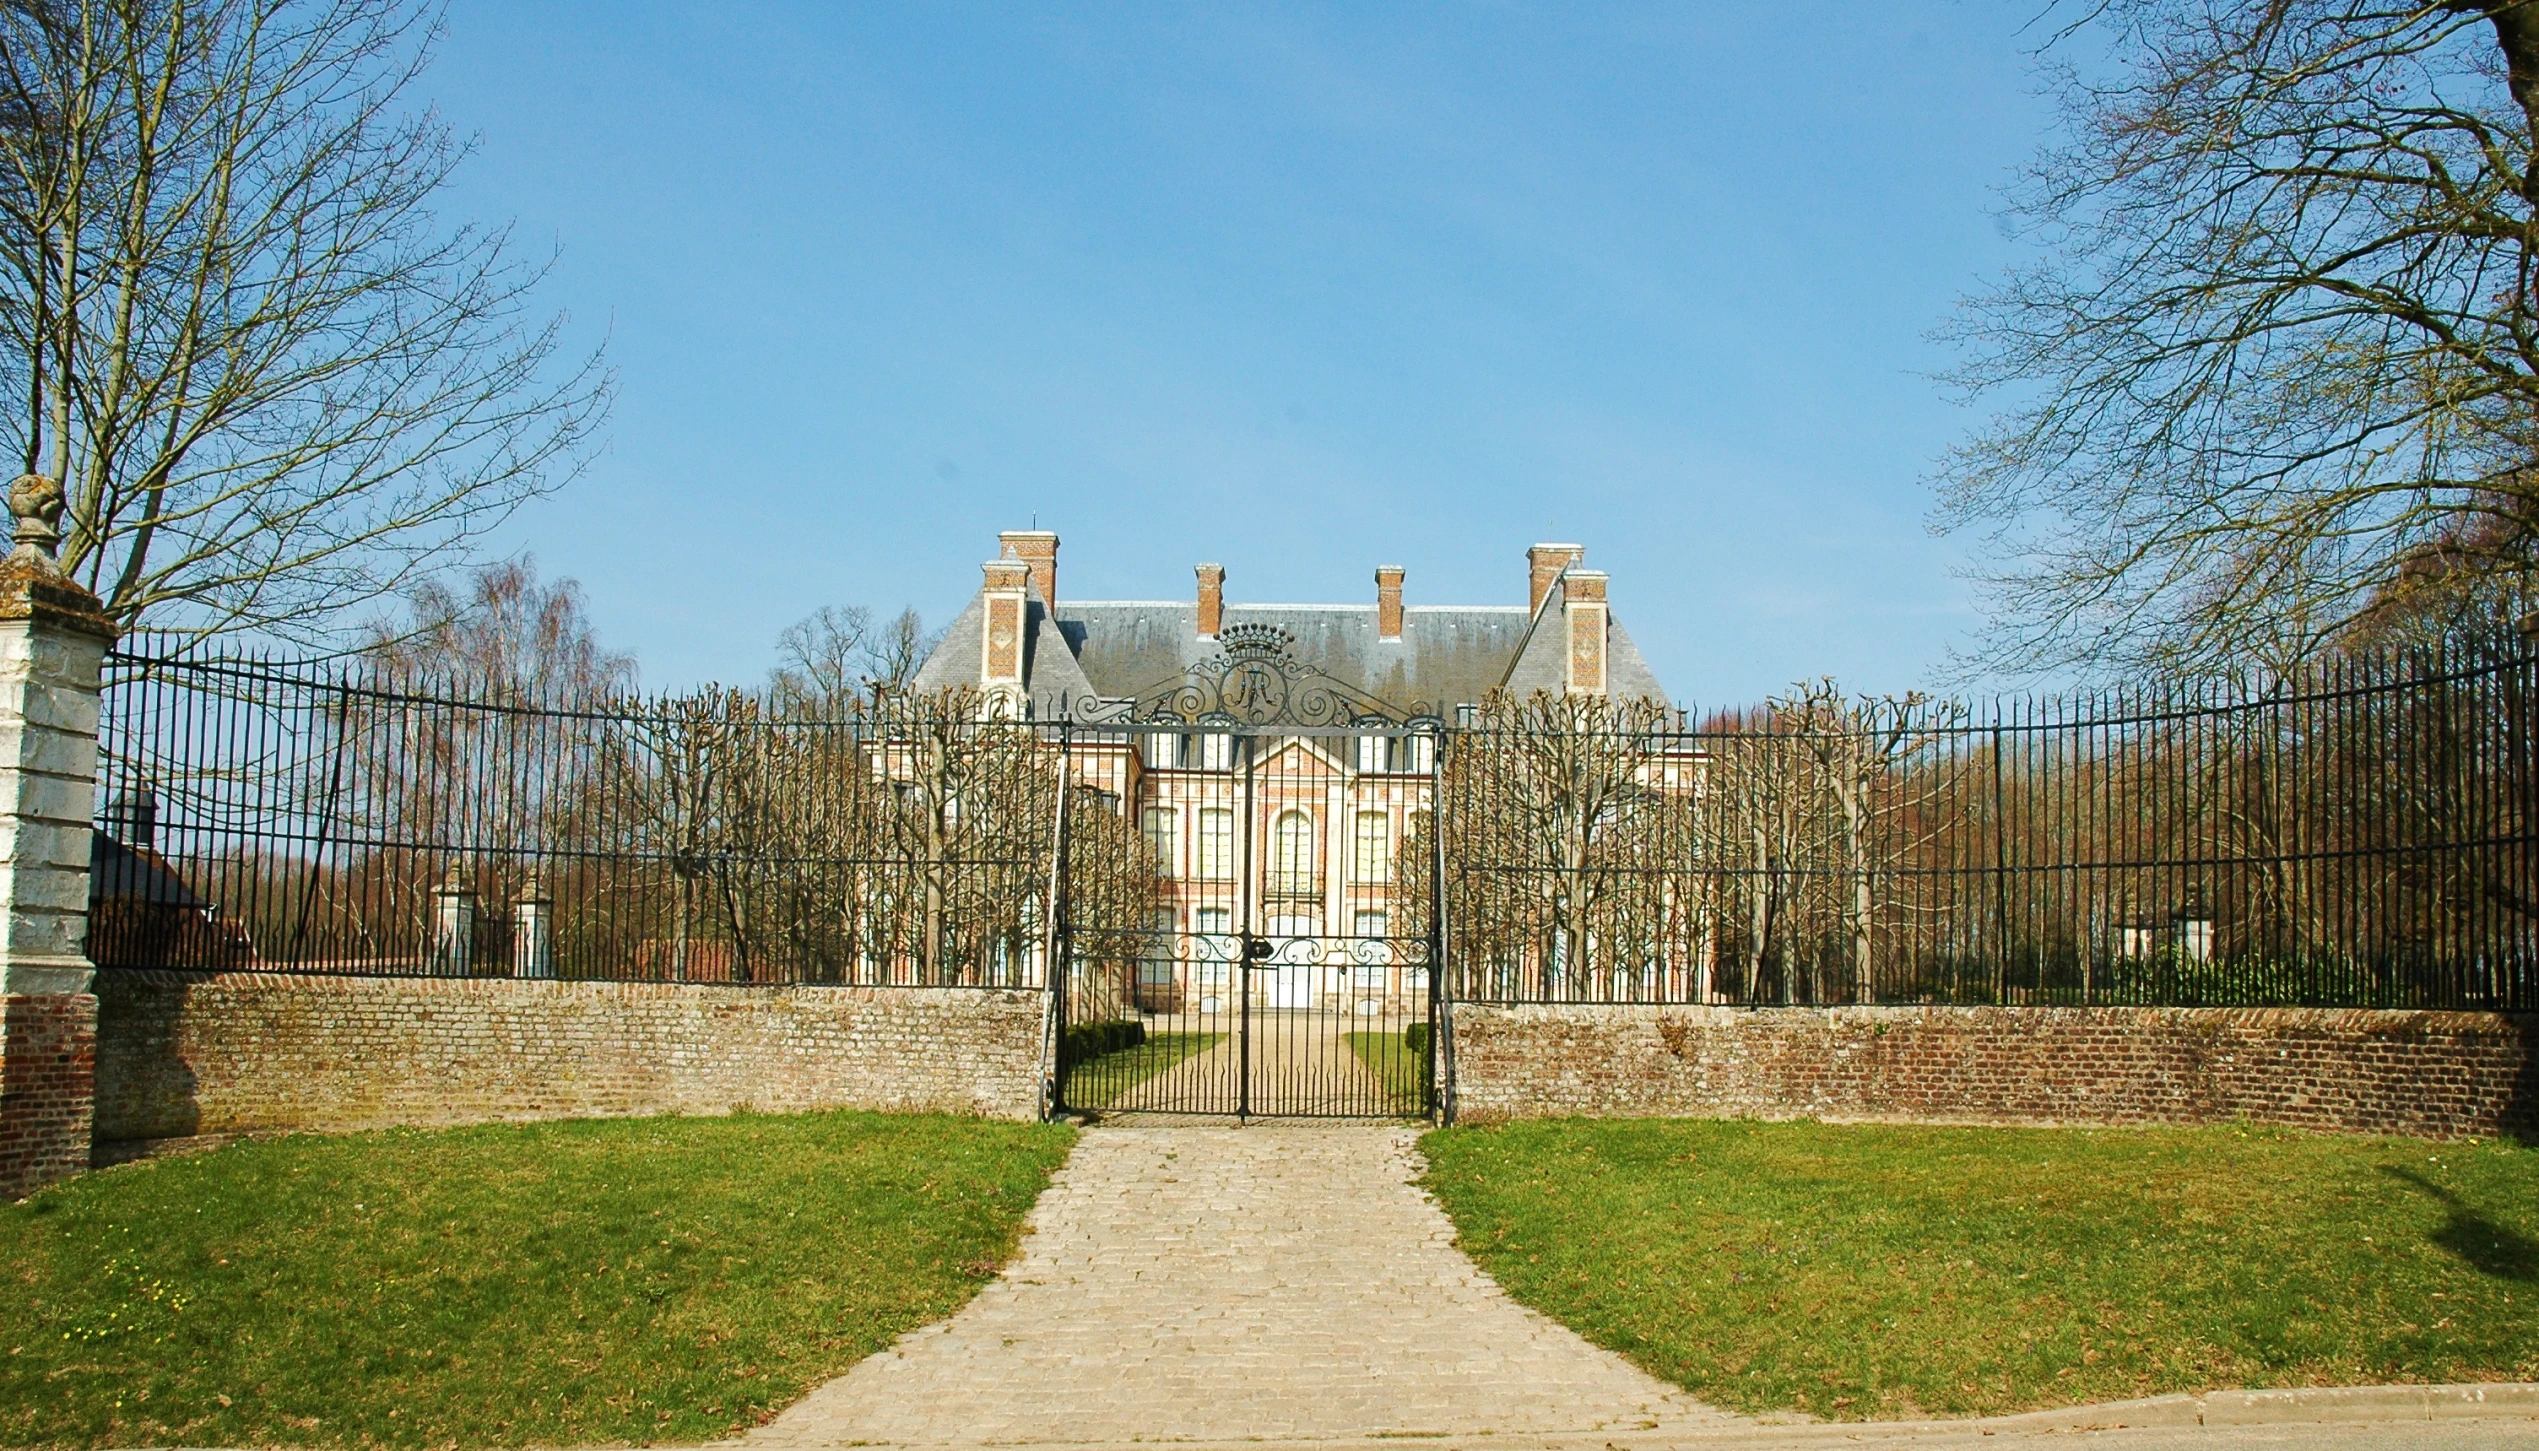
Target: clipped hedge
x=1416, y=1037
x=1087, y=1041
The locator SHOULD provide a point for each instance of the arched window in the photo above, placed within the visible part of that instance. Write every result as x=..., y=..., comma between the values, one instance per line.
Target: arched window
x=1292, y=856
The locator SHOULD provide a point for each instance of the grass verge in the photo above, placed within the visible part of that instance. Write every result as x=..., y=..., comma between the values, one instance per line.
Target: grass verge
x=1404, y=1072
x=1872, y=1271
x=628, y=1280
x=1109, y=1081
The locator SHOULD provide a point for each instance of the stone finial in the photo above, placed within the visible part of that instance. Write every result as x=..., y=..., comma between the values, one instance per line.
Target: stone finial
x=32, y=585
x=36, y=502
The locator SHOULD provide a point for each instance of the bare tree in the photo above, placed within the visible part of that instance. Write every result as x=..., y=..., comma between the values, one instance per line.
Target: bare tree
x=465, y=735
x=832, y=658
x=1856, y=748
x=894, y=651
x=272, y=384
x=820, y=657
x=1549, y=789
x=1765, y=841
x=2279, y=361
x=511, y=634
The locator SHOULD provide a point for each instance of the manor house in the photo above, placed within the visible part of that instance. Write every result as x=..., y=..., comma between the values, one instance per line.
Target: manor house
x=1272, y=754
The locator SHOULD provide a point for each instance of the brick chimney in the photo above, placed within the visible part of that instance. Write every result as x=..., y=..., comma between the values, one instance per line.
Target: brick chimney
x=1001, y=651
x=1584, y=604
x=1543, y=564
x=1211, y=600
x=1388, y=602
x=1039, y=549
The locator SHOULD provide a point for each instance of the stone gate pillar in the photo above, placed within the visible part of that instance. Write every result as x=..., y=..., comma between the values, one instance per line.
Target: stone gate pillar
x=532, y=951
x=53, y=638
x=453, y=924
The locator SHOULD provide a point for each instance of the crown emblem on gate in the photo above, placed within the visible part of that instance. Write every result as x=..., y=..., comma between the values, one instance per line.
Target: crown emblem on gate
x=1254, y=642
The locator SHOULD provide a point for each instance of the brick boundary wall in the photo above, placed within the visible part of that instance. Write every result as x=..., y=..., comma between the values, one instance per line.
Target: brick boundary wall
x=2436, y=1075
x=48, y=1066
x=185, y=1054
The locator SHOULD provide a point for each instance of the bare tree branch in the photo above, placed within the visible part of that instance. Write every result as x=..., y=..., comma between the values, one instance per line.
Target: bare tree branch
x=2278, y=359
x=274, y=385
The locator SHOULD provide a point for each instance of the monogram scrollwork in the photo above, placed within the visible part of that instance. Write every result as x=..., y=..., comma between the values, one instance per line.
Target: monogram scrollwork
x=1255, y=681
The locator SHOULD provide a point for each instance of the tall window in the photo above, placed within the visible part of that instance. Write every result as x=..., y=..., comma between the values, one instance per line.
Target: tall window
x=1161, y=837
x=1213, y=752
x=1216, y=844
x=1160, y=751
x=1372, y=954
x=1292, y=855
x=1155, y=969
x=1215, y=947
x=1372, y=849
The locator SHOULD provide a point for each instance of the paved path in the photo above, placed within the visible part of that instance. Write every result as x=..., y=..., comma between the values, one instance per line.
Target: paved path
x=1229, y=1284
x=1301, y=1064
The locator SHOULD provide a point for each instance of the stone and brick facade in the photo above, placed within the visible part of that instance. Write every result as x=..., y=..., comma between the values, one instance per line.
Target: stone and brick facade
x=2438, y=1075
x=1326, y=817
x=186, y=1054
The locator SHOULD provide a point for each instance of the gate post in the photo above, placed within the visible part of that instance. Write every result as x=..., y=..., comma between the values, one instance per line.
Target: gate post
x=53, y=638
x=1441, y=999
x=532, y=950
x=453, y=925
x=1057, y=945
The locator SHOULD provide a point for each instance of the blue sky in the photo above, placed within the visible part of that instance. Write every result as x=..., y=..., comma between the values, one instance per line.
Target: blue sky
x=1297, y=288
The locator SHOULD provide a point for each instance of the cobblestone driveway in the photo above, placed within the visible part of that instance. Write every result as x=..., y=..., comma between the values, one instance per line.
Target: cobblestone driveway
x=1225, y=1284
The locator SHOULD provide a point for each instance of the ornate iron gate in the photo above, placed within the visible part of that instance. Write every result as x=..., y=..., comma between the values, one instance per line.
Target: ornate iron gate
x=1289, y=969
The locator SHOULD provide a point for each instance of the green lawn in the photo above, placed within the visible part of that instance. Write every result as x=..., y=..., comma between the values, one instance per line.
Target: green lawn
x=1404, y=1072
x=662, y=1279
x=1104, y=1082
x=1871, y=1271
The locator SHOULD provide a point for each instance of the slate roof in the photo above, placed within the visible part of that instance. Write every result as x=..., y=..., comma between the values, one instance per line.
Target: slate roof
x=1094, y=650
x=1539, y=666
x=1057, y=687
x=120, y=873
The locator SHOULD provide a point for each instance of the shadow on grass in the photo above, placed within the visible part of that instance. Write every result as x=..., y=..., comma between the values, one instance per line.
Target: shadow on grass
x=2475, y=1240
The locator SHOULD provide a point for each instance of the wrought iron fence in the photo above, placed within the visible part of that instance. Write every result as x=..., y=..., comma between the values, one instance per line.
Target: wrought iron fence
x=345, y=817
x=2360, y=835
